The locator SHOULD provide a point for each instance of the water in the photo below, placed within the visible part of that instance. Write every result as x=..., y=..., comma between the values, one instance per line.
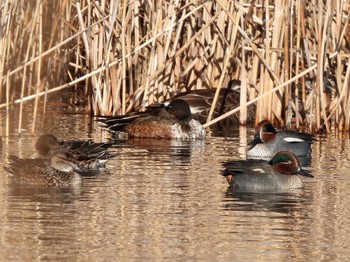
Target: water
x=166, y=201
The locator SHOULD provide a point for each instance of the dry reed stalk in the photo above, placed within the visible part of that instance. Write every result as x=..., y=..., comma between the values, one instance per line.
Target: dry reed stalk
x=298, y=61
x=276, y=99
x=27, y=55
x=320, y=64
x=346, y=105
x=266, y=66
x=265, y=104
x=38, y=79
x=291, y=80
x=254, y=77
x=4, y=23
x=49, y=51
x=338, y=104
x=286, y=68
x=50, y=91
x=130, y=54
x=123, y=62
x=325, y=43
x=177, y=54
x=228, y=56
x=11, y=73
x=7, y=105
x=243, y=94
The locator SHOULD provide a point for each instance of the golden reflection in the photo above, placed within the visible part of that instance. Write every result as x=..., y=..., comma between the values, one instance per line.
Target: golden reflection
x=166, y=200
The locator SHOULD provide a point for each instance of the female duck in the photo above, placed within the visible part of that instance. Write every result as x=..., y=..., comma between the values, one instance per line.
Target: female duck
x=170, y=122
x=267, y=142
x=200, y=101
x=280, y=174
x=58, y=172
x=88, y=156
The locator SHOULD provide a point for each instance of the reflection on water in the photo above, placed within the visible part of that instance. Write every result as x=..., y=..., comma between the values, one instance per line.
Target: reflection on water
x=278, y=202
x=166, y=200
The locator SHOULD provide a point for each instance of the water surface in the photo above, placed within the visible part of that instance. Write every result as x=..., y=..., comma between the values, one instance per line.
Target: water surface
x=166, y=201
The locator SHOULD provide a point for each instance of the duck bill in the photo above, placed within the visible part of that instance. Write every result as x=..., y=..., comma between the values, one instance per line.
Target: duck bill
x=77, y=168
x=302, y=172
x=257, y=140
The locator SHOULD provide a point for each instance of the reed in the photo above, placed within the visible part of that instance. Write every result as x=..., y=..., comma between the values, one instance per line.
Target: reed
x=292, y=56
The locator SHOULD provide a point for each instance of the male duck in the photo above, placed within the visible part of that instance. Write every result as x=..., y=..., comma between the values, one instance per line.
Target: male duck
x=87, y=155
x=173, y=121
x=58, y=172
x=267, y=142
x=200, y=102
x=280, y=174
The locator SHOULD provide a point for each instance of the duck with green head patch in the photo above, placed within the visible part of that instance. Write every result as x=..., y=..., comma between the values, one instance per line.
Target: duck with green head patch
x=280, y=174
x=267, y=142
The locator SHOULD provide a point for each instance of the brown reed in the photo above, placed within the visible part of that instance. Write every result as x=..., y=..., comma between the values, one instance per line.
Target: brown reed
x=292, y=56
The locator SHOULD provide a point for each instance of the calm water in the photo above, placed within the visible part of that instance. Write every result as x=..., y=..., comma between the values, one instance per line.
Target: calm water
x=166, y=201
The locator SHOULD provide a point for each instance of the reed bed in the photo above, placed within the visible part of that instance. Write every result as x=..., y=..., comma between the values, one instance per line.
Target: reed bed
x=291, y=56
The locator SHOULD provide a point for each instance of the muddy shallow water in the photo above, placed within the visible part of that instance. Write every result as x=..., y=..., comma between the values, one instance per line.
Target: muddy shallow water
x=166, y=200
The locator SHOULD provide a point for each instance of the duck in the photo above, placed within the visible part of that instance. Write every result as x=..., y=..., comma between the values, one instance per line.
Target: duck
x=88, y=156
x=267, y=142
x=173, y=121
x=200, y=101
x=58, y=171
x=280, y=174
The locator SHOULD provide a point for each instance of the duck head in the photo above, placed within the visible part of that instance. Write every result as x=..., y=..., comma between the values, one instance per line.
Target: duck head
x=264, y=132
x=179, y=109
x=287, y=163
x=63, y=161
x=46, y=143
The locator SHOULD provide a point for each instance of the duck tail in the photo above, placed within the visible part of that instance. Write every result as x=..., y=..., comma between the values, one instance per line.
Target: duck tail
x=13, y=165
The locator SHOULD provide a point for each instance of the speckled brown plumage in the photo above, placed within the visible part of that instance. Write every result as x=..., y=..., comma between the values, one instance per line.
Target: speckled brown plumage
x=58, y=172
x=87, y=155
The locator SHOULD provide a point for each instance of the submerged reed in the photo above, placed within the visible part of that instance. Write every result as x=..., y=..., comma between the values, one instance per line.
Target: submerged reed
x=292, y=56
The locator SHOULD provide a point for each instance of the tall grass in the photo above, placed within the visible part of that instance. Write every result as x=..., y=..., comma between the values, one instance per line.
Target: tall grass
x=292, y=56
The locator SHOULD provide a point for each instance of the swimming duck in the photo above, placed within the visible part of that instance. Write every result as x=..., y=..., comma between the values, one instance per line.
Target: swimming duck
x=87, y=155
x=280, y=174
x=267, y=142
x=200, y=101
x=173, y=121
x=56, y=172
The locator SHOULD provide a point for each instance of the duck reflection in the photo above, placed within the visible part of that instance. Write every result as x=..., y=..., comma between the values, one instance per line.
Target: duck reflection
x=170, y=147
x=293, y=201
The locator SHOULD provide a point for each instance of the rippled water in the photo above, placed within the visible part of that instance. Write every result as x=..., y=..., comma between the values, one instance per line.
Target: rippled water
x=166, y=200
